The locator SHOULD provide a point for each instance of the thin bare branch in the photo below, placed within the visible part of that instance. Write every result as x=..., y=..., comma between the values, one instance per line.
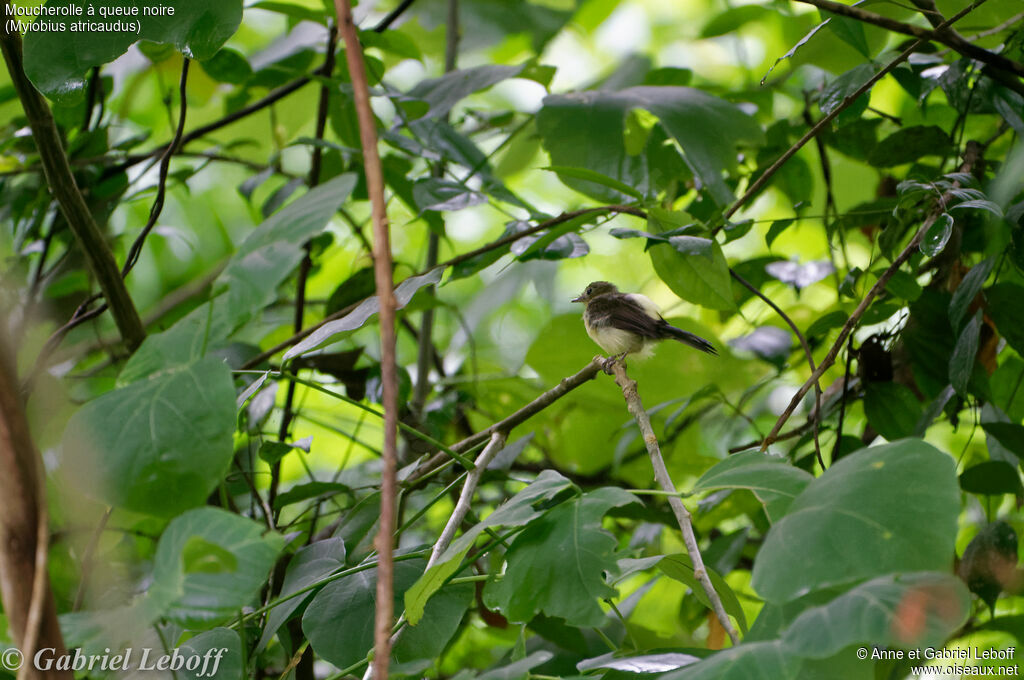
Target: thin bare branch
x=389, y=370
x=636, y=409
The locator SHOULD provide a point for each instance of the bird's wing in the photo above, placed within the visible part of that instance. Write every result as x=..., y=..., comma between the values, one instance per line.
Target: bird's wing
x=627, y=313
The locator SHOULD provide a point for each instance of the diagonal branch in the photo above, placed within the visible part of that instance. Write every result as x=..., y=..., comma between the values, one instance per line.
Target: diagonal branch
x=64, y=188
x=761, y=181
x=636, y=409
x=941, y=34
x=971, y=157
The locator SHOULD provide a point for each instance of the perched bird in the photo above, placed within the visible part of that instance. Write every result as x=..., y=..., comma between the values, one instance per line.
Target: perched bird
x=629, y=323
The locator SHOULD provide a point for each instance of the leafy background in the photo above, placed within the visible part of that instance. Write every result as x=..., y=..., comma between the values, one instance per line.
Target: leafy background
x=202, y=497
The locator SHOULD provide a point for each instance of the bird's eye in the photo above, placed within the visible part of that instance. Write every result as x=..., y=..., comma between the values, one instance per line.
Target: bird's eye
x=590, y=289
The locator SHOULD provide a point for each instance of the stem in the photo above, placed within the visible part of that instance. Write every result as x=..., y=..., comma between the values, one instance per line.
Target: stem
x=636, y=408
x=389, y=370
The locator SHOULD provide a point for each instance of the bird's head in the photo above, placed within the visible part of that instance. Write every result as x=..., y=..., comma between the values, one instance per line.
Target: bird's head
x=596, y=289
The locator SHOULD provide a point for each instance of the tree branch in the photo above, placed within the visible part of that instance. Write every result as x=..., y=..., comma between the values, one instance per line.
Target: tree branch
x=505, y=425
x=636, y=408
x=971, y=156
x=389, y=370
x=941, y=34
x=69, y=197
x=24, y=531
x=761, y=181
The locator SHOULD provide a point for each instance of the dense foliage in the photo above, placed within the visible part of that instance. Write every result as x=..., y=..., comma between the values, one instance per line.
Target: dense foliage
x=217, y=484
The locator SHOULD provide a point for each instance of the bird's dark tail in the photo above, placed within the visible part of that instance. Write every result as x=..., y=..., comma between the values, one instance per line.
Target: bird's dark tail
x=688, y=338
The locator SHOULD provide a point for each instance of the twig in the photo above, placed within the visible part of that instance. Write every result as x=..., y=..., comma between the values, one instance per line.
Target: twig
x=941, y=34
x=62, y=184
x=970, y=158
x=636, y=408
x=87, y=557
x=466, y=496
x=426, y=338
x=165, y=166
x=386, y=22
x=505, y=425
x=807, y=352
x=389, y=370
x=761, y=181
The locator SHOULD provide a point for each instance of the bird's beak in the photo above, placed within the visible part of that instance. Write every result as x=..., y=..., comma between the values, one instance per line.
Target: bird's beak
x=578, y=298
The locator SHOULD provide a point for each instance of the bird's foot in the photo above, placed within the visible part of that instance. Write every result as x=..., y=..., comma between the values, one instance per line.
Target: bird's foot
x=609, y=362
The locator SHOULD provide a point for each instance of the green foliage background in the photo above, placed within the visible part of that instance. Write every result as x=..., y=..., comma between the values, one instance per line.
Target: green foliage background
x=201, y=497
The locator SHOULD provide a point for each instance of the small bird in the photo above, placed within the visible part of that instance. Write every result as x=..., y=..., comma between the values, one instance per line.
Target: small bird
x=629, y=323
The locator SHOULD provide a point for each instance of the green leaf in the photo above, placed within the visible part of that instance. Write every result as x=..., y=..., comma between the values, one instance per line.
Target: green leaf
x=585, y=130
x=158, y=446
x=361, y=314
x=892, y=409
x=228, y=66
x=774, y=231
x=339, y=620
x=556, y=564
x=302, y=492
x=824, y=324
x=771, y=479
x=680, y=568
x=596, y=178
x=732, y=19
x=904, y=286
x=965, y=353
x=297, y=12
x=248, y=284
x=1006, y=308
x=993, y=478
x=220, y=651
x=748, y=661
x=442, y=194
x=1010, y=435
x=908, y=144
x=57, y=61
x=445, y=92
x=204, y=598
x=850, y=31
x=845, y=85
x=880, y=510
x=968, y=290
x=517, y=511
x=310, y=564
x=912, y=610
x=200, y=555
x=695, y=269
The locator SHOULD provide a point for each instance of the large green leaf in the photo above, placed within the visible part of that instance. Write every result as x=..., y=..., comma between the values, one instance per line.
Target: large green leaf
x=220, y=651
x=749, y=661
x=310, y=564
x=58, y=60
x=914, y=610
x=1006, y=307
x=680, y=568
x=585, y=130
x=771, y=479
x=445, y=92
x=881, y=510
x=517, y=511
x=249, y=282
x=339, y=620
x=892, y=409
x=157, y=446
x=215, y=561
x=556, y=565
